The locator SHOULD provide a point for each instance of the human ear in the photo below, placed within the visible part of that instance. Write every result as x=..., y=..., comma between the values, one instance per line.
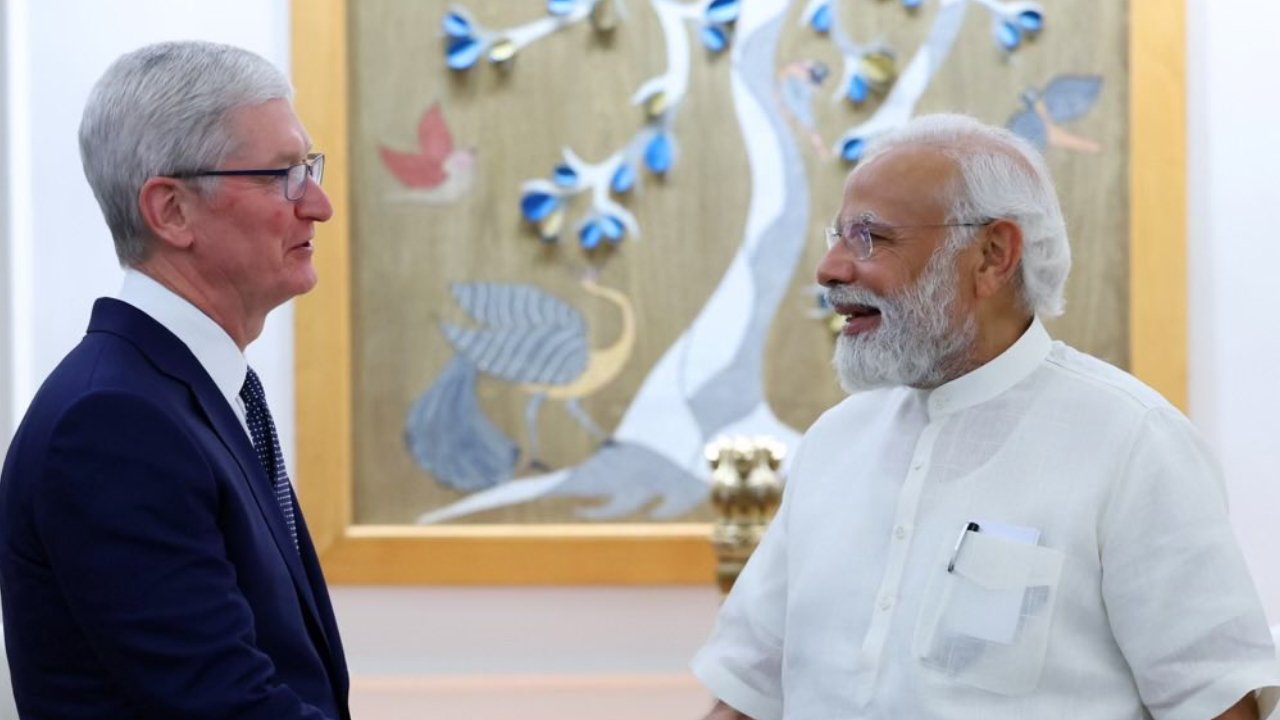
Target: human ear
x=165, y=204
x=1001, y=245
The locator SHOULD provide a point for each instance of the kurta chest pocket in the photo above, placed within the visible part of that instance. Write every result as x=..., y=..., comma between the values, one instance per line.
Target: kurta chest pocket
x=986, y=623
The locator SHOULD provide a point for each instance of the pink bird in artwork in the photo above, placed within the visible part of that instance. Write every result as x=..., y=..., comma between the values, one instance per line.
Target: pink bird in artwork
x=437, y=172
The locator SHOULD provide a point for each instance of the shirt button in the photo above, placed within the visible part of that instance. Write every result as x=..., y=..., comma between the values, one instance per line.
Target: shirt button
x=900, y=532
x=886, y=603
x=917, y=466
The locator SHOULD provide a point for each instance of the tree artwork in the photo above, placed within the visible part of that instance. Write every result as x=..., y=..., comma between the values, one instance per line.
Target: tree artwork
x=809, y=84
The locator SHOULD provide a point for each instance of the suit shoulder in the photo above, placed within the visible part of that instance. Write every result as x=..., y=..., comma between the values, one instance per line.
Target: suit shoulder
x=103, y=380
x=102, y=363
x=104, y=417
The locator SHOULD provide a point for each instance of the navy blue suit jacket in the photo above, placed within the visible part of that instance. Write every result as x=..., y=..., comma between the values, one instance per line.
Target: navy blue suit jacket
x=145, y=568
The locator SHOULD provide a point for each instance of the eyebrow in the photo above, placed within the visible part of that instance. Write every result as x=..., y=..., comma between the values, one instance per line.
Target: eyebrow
x=866, y=217
x=287, y=157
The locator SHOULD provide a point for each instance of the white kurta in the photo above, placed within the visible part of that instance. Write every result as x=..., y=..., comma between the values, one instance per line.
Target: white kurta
x=1103, y=580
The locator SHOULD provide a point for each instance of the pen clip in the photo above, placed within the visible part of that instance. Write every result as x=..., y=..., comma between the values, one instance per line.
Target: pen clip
x=955, y=553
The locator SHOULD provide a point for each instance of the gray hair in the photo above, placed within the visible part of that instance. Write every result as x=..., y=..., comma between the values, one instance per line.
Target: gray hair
x=162, y=109
x=1001, y=176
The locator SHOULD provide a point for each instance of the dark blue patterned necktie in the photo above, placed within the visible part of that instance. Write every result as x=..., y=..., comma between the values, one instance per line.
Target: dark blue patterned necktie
x=263, y=431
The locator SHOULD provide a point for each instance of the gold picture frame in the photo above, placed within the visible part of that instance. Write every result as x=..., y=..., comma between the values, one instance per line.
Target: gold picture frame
x=659, y=553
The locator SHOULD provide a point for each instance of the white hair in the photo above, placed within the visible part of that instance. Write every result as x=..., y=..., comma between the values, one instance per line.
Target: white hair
x=160, y=110
x=1001, y=176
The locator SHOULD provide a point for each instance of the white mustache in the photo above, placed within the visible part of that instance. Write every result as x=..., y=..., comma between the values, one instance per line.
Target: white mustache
x=854, y=295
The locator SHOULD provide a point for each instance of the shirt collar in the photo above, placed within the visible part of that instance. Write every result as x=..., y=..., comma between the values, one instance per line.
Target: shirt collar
x=212, y=347
x=990, y=380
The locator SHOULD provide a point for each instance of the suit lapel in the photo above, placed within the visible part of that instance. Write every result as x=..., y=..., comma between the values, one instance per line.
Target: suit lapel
x=233, y=435
x=173, y=358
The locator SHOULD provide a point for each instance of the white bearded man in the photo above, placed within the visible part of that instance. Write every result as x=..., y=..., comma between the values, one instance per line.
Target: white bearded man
x=993, y=525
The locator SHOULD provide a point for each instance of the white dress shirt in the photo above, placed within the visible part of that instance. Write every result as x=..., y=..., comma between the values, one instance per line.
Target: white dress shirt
x=214, y=349
x=1102, y=581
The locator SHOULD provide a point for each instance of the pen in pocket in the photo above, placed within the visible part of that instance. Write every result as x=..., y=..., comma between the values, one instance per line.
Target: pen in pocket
x=971, y=527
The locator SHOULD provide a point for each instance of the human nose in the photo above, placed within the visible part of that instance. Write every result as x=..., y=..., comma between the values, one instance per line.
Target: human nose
x=838, y=267
x=314, y=203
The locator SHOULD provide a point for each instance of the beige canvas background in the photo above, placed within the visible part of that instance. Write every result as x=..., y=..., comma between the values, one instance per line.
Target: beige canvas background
x=572, y=89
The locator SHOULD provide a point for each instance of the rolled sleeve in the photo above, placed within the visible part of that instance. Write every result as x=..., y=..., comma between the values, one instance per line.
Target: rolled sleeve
x=741, y=663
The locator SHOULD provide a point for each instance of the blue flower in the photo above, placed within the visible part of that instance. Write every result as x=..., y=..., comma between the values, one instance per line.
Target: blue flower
x=456, y=25
x=852, y=149
x=564, y=176
x=560, y=7
x=590, y=234
x=537, y=205
x=723, y=11
x=1031, y=20
x=1008, y=35
x=821, y=20
x=714, y=38
x=858, y=89
x=658, y=154
x=624, y=178
x=612, y=228
x=463, y=52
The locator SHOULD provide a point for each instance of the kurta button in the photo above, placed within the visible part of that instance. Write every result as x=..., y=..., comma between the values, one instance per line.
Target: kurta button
x=885, y=603
x=900, y=532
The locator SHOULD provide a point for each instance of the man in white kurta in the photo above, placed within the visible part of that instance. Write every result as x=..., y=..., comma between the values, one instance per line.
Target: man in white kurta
x=993, y=529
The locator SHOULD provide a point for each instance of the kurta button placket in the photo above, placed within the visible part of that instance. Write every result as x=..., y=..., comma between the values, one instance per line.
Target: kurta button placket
x=908, y=504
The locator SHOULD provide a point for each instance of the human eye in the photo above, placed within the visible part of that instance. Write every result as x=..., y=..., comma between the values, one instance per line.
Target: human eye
x=880, y=233
x=269, y=179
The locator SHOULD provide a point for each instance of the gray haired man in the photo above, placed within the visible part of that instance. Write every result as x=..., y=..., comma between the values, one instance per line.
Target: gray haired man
x=994, y=525
x=154, y=562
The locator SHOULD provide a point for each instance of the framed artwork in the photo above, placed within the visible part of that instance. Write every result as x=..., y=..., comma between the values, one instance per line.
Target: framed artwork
x=573, y=242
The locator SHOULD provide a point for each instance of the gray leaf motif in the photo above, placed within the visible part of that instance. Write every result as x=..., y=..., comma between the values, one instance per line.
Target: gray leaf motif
x=1029, y=125
x=1068, y=97
x=527, y=335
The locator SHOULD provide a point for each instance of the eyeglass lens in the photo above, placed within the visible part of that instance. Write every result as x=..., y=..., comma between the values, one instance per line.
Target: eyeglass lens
x=297, y=178
x=856, y=237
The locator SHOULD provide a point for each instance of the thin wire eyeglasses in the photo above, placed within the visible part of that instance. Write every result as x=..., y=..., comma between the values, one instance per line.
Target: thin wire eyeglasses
x=295, y=176
x=858, y=236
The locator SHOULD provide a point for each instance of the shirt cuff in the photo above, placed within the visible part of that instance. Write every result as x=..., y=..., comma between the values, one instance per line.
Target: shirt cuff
x=731, y=690
x=1262, y=679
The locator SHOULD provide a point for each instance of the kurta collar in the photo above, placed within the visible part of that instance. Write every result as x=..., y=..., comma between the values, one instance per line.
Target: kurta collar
x=1001, y=373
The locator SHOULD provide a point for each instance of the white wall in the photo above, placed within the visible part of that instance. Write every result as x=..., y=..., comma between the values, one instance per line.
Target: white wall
x=1234, y=255
x=7, y=711
x=408, y=646
x=6, y=337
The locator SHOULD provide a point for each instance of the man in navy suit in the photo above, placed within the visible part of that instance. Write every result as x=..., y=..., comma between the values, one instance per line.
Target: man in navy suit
x=153, y=560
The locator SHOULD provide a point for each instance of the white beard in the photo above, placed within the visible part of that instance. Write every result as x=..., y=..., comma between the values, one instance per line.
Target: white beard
x=915, y=344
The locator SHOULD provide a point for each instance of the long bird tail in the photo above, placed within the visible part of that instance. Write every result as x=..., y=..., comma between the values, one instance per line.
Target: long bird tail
x=449, y=435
